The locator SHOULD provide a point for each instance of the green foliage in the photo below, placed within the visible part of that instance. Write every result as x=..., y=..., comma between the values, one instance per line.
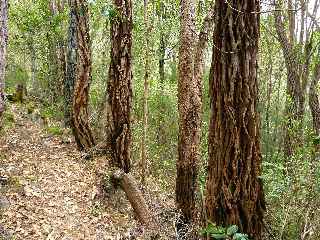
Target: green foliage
x=30, y=107
x=218, y=232
x=112, y=13
x=52, y=111
x=54, y=130
x=8, y=119
x=291, y=187
x=291, y=184
x=16, y=75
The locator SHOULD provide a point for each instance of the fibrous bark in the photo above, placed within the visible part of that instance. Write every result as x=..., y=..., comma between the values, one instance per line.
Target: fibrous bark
x=3, y=51
x=80, y=118
x=119, y=85
x=234, y=191
x=191, y=56
x=189, y=105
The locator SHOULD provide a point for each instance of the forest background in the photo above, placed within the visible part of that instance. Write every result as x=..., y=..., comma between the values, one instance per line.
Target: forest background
x=288, y=76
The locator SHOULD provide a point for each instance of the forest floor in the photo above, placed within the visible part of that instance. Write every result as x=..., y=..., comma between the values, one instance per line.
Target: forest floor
x=47, y=191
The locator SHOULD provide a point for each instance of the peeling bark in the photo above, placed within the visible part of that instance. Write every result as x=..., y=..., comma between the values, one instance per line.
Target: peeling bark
x=119, y=86
x=191, y=60
x=80, y=119
x=234, y=191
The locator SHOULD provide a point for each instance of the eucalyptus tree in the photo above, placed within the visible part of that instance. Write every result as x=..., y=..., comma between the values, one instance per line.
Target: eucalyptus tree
x=191, y=68
x=119, y=89
x=80, y=118
x=234, y=191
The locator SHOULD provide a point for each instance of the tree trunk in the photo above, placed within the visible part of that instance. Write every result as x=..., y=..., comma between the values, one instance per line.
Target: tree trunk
x=3, y=52
x=189, y=105
x=71, y=65
x=314, y=100
x=58, y=8
x=57, y=61
x=234, y=191
x=62, y=64
x=52, y=61
x=33, y=57
x=295, y=91
x=80, y=121
x=145, y=96
x=162, y=53
x=191, y=61
x=119, y=86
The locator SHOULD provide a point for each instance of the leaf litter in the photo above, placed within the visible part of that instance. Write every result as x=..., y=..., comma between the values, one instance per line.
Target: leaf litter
x=48, y=192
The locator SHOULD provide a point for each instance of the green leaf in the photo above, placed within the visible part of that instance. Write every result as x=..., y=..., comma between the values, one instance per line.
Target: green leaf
x=240, y=236
x=232, y=230
x=218, y=236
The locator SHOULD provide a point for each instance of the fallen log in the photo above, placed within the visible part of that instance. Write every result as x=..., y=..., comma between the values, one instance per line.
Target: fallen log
x=140, y=208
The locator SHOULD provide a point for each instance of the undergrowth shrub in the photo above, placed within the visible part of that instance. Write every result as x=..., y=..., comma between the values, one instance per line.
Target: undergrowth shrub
x=54, y=130
x=293, y=194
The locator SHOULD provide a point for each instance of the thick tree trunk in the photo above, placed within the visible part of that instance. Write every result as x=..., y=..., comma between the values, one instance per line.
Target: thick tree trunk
x=71, y=65
x=119, y=86
x=3, y=52
x=189, y=105
x=234, y=191
x=191, y=61
x=80, y=118
x=145, y=96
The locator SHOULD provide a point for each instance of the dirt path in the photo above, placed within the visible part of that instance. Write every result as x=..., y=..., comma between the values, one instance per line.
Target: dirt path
x=49, y=193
